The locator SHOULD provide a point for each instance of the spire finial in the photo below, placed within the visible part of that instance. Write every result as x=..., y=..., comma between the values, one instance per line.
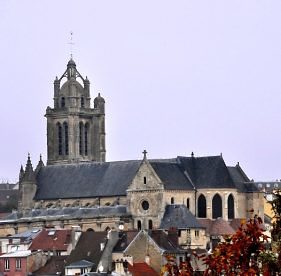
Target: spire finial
x=71, y=43
x=192, y=154
x=144, y=154
x=40, y=157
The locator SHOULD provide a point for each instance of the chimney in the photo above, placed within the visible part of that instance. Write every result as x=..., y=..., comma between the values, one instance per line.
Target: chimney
x=102, y=245
x=75, y=235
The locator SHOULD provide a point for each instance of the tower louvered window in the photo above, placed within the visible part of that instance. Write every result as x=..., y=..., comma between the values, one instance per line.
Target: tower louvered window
x=86, y=129
x=81, y=138
x=59, y=129
x=65, y=126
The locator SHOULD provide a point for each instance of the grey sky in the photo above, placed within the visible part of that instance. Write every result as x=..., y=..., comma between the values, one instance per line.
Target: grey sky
x=177, y=76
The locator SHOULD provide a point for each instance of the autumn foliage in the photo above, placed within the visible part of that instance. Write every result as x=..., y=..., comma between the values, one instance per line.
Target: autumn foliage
x=238, y=254
x=171, y=267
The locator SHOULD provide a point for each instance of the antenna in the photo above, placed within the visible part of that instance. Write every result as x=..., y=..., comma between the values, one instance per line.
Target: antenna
x=71, y=43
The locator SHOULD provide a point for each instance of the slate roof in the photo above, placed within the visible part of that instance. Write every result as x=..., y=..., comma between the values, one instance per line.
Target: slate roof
x=54, y=266
x=163, y=241
x=207, y=172
x=88, y=248
x=171, y=175
x=100, y=179
x=179, y=217
x=68, y=213
x=82, y=180
x=125, y=239
x=59, y=240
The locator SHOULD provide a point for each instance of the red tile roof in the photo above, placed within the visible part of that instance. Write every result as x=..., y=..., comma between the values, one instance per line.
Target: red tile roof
x=141, y=269
x=51, y=239
x=217, y=227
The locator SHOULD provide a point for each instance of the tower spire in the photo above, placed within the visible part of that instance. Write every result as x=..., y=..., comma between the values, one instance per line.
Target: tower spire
x=71, y=43
x=28, y=174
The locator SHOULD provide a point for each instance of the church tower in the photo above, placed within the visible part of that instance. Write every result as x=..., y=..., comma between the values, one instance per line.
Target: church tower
x=75, y=131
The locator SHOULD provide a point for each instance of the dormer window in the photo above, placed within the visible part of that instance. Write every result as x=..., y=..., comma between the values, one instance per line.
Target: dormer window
x=144, y=180
x=62, y=102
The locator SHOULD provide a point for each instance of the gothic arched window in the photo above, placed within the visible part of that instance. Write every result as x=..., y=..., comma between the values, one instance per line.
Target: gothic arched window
x=230, y=207
x=65, y=127
x=172, y=200
x=81, y=127
x=82, y=102
x=187, y=203
x=59, y=131
x=217, y=206
x=86, y=132
x=150, y=224
x=202, y=207
x=139, y=225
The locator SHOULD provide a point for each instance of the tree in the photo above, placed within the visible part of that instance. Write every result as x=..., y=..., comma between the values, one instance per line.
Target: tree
x=172, y=268
x=276, y=232
x=238, y=255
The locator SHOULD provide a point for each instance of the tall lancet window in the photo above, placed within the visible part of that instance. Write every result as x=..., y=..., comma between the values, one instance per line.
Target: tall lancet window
x=86, y=133
x=81, y=138
x=217, y=206
x=230, y=207
x=65, y=127
x=202, y=207
x=59, y=131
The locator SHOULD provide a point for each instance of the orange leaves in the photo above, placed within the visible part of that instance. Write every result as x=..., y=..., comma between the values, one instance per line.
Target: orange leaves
x=238, y=255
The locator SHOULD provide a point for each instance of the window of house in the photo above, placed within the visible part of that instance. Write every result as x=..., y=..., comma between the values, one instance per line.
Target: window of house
x=82, y=102
x=172, y=200
x=18, y=264
x=179, y=233
x=187, y=203
x=196, y=233
x=7, y=264
x=144, y=180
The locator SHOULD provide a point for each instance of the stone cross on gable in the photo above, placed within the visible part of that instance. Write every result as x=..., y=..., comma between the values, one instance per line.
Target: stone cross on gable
x=144, y=154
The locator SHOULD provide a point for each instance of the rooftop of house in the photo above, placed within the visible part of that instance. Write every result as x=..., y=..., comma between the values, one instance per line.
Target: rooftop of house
x=88, y=248
x=51, y=239
x=54, y=266
x=141, y=269
x=217, y=227
x=27, y=236
x=17, y=254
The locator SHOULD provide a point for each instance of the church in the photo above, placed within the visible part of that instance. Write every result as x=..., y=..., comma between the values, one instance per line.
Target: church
x=77, y=186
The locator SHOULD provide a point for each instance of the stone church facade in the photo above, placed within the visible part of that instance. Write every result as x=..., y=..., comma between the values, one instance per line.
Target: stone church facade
x=78, y=187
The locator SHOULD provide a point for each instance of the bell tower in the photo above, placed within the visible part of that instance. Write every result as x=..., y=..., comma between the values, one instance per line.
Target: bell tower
x=75, y=131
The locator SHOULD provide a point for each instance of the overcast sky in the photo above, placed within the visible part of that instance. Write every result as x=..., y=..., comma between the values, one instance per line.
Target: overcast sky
x=177, y=77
